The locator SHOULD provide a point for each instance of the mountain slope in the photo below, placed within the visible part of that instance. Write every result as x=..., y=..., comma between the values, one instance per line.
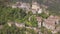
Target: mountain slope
x=53, y=5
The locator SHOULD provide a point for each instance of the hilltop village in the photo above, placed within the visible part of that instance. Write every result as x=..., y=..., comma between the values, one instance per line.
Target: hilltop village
x=38, y=19
x=51, y=22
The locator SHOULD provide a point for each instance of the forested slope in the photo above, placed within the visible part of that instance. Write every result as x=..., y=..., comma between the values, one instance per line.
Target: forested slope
x=53, y=5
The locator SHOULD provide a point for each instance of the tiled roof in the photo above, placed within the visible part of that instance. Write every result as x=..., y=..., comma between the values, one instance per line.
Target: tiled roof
x=51, y=20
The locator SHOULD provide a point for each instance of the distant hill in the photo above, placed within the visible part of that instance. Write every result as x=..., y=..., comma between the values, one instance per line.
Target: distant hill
x=53, y=5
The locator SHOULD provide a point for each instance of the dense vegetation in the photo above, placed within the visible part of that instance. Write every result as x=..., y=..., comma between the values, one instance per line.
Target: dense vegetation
x=45, y=31
x=30, y=31
x=12, y=30
x=15, y=15
x=32, y=21
x=7, y=13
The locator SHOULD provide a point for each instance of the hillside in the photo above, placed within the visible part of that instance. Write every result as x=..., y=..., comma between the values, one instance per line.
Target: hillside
x=53, y=5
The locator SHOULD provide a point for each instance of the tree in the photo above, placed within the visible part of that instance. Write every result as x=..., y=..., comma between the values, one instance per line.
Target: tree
x=43, y=15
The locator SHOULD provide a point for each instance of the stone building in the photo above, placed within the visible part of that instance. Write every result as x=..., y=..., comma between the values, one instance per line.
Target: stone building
x=39, y=19
x=51, y=22
x=36, y=8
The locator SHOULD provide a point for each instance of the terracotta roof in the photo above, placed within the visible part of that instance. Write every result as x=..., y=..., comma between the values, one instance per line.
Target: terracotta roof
x=51, y=20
